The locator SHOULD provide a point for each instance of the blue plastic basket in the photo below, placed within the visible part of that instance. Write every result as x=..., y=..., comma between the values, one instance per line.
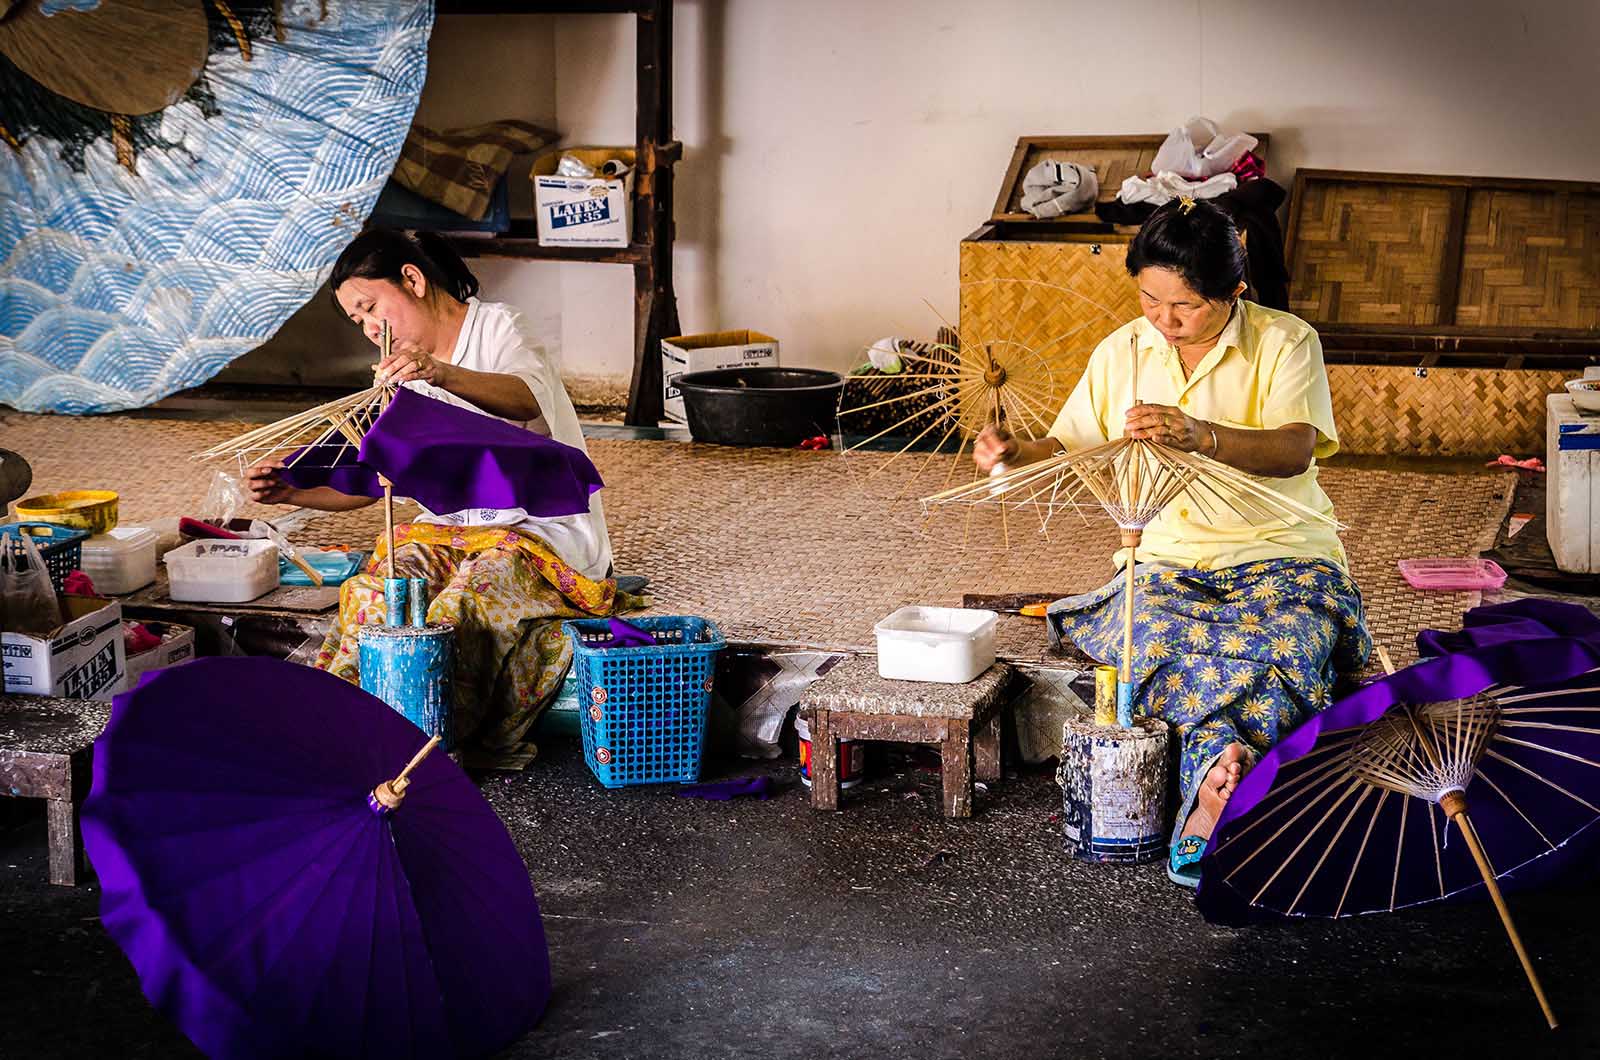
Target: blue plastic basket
x=61, y=546
x=644, y=709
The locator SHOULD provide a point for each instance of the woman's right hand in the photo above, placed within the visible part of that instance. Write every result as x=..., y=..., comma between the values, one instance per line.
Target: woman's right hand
x=265, y=485
x=994, y=446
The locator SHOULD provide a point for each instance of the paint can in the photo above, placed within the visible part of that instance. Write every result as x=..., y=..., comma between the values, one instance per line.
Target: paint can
x=1114, y=790
x=410, y=668
x=1105, y=695
x=416, y=601
x=394, y=601
x=852, y=757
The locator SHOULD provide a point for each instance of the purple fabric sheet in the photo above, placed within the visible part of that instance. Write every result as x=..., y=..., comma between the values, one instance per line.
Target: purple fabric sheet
x=451, y=459
x=267, y=910
x=1557, y=673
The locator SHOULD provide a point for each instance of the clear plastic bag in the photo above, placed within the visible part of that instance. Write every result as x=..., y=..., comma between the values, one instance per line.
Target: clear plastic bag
x=224, y=500
x=27, y=595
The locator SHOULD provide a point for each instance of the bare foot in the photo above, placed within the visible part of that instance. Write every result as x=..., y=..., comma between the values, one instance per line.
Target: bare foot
x=1215, y=789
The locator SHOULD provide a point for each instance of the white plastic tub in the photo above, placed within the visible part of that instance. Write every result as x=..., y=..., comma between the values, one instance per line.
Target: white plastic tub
x=120, y=560
x=222, y=572
x=947, y=644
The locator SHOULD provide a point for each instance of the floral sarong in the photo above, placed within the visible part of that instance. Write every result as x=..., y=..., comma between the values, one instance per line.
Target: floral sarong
x=1235, y=654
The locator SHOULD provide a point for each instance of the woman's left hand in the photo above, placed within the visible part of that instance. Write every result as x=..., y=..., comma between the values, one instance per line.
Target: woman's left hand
x=406, y=362
x=1168, y=426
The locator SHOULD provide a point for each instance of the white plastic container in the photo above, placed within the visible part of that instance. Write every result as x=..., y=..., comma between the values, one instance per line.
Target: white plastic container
x=952, y=645
x=120, y=560
x=1572, y=487
x=222, y=572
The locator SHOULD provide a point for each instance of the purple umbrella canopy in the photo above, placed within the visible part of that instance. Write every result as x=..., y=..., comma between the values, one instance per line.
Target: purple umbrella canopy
x=450, y=459
x=273, y=906
x=1308, y=834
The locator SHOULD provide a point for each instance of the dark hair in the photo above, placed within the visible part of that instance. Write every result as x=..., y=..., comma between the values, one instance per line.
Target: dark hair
x=1198, y=241
x=380, y=254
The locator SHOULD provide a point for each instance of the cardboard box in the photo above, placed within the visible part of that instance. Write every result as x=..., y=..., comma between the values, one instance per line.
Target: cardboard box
x=574, y=212
x=83, y=659
x=177, y=646
x=683, y=354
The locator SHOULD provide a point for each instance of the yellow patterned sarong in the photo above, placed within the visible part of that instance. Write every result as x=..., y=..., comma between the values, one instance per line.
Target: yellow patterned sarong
x=506, y=593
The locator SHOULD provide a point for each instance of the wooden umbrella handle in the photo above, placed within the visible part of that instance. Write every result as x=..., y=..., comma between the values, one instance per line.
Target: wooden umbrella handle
x=1455, y=805
x=391, y=792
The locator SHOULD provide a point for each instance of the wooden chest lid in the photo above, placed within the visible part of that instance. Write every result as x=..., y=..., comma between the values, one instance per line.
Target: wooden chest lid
x=1113, y=158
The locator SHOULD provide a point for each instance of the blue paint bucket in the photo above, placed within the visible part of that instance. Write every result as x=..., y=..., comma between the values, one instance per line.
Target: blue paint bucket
x=409, y=668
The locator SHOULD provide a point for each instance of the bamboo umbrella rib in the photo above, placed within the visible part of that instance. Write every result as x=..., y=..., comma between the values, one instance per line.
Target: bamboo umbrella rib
x=1497, y=756
x=1438, y=863
x=1516, y=809
x=1355, y=864
x=894, y=400
x=1349, y=789
x=1312, y=875
x=1399, y=848
x=1548, y=750
x=937, y=448
x=1263, y=845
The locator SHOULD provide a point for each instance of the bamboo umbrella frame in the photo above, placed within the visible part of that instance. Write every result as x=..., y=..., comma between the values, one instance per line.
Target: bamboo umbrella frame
x=345, y=420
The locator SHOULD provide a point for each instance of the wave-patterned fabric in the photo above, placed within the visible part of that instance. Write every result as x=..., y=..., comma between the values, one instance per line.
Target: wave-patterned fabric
x=118, y=289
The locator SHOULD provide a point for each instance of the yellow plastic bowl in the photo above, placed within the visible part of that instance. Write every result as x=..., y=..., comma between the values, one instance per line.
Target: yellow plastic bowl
x=91, y=510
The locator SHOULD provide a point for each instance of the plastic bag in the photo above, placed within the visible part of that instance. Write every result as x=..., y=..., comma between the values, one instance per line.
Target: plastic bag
x=224, y=500
x=1200, y=150
x=27, y=596
x=1054, y=189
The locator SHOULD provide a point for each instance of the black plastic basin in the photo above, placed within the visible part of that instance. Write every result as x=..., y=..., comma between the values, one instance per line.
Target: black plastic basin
x=761, y=406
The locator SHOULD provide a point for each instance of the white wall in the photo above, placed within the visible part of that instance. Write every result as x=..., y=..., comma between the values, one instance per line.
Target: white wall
x=836, y=151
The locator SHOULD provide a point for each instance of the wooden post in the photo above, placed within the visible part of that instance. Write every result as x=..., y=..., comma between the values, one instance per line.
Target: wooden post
x=986, y=748
x=824, y=763
x=1454, y=805
x=955, y=760
x=655, y=303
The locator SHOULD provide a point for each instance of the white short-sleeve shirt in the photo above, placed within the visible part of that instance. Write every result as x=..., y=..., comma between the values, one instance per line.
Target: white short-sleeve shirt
x=494, y=339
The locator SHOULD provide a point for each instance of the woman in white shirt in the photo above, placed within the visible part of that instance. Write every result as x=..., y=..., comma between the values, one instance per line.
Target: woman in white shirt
x=505, y=579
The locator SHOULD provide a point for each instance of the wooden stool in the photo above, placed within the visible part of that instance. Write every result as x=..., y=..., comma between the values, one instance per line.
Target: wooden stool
x=853, y=703
x=45, y=744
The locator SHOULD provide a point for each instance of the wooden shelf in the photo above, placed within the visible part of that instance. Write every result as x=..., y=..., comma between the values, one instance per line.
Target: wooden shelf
x=655, y=302
x=527, y=248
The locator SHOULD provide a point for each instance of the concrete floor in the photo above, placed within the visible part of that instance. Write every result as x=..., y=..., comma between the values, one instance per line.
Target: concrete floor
x=683, y=928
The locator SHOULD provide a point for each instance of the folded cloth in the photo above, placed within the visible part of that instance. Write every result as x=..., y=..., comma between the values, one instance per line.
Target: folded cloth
x=628, y=635
x=136, y=638
x=1167, y=185
x=77, y=583
x=725, y=790
x=1052, y=189
x=458, y=168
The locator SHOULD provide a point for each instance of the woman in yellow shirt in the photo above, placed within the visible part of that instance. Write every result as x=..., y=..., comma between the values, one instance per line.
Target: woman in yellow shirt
x=1242, y=627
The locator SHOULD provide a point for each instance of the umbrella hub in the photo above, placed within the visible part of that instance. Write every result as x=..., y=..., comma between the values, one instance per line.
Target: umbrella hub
x=1429, y=751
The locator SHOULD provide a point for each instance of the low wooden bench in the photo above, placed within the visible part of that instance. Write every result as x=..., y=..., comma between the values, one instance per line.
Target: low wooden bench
x=45, y=747
x=853, y=703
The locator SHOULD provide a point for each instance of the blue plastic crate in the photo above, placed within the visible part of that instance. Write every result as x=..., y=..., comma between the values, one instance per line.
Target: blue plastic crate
x=60, y=546
x=644, y=709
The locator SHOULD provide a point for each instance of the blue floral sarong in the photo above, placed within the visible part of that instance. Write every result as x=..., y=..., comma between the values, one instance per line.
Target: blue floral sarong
x=1237, y=654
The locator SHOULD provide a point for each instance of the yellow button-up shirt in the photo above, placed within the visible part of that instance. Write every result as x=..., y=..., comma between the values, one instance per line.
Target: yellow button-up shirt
x=1264, y=372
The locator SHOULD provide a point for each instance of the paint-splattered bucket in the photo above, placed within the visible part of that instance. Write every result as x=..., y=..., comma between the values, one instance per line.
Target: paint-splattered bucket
x=409, y=668
x=1114, y=790
x=852, y=757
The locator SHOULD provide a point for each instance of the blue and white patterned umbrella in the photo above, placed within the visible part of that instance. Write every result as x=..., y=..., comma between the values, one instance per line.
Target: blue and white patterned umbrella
x=177, y=176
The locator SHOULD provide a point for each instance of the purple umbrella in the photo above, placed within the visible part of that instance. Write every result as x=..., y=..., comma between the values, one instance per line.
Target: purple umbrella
x=1353, y=811
x=271, y=902
x=450, y=459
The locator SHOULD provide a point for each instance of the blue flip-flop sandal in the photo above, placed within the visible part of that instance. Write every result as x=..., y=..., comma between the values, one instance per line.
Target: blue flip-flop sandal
x=1183, y=864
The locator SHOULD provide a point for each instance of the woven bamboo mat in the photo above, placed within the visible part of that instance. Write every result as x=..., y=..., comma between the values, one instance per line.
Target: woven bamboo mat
x=795, y=548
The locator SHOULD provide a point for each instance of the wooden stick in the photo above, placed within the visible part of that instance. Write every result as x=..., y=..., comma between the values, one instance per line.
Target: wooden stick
x=1383, y=657
x=388, y=519
x=1455, y=806
x=391, y=792
x=1130, y=541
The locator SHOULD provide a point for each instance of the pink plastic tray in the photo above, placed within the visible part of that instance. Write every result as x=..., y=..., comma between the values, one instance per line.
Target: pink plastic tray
x=1452, y=574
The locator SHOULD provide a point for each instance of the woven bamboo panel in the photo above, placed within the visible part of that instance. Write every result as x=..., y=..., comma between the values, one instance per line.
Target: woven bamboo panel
x=1450, y=412
x=1369, y=253
x=1531, y=259
x=1095, y=297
